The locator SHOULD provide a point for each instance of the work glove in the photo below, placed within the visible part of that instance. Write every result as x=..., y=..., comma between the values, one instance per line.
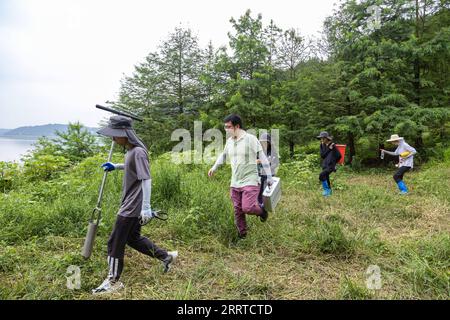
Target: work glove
x=108, y=166
x=146, y=216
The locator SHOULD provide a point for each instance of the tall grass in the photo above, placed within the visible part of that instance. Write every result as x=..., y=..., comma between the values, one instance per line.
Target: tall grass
x=310, y=247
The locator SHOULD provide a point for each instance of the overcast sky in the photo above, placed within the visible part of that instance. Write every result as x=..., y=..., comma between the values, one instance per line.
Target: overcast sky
x=58, y=58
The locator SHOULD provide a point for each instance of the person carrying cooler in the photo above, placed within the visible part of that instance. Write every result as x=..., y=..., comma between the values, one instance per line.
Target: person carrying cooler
x=406, y=160
x=135, y=209
x=330, y=156
x=242, y=150
x=274, y=161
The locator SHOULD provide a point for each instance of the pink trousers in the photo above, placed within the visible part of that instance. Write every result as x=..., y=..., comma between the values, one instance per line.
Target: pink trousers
x=245, y=201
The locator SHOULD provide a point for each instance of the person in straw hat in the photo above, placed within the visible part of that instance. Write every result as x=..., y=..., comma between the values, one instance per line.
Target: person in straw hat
x=330, y=155
x=135, y=209
x=406, y=159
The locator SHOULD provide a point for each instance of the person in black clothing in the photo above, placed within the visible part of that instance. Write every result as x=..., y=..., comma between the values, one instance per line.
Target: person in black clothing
x=135, y=208
x=330, y=155
x=274, y=161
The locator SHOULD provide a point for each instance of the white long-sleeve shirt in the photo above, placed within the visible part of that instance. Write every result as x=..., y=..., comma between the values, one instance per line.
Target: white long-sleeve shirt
x=402, y=147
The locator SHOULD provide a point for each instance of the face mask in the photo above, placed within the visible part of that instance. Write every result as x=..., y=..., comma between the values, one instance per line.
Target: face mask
x=229, y=132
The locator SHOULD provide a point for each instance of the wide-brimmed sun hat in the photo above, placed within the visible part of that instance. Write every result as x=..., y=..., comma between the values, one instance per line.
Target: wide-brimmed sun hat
x=324, y=134
x=117, y=127
x=395, y=137
x=120, y=126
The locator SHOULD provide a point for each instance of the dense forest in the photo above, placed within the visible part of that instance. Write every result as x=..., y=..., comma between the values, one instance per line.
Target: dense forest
x=362, y=80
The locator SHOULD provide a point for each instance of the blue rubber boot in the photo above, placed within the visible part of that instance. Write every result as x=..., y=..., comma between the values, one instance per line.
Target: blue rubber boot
x=402, y=187
x=326, y=189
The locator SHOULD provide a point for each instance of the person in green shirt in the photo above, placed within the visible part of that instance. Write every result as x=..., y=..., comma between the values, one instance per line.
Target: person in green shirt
x=241, y=151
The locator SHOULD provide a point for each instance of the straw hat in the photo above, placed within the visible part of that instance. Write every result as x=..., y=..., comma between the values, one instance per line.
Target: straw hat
x=394, y=137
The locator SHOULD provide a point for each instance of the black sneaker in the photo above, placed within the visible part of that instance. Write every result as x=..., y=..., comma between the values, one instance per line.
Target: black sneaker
x=167, y=262
x=264, y=215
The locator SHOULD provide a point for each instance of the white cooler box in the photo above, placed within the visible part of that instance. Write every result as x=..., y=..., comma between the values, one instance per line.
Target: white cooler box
x=272, y=194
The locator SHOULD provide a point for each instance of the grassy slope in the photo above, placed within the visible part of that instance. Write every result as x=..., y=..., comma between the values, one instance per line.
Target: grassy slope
x=310, y=248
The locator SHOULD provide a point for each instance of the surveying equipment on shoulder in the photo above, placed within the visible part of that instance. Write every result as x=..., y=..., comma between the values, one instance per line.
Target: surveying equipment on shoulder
x=96, y=214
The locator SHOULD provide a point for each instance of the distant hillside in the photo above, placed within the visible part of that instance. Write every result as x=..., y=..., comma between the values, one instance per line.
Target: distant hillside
x=48, y=130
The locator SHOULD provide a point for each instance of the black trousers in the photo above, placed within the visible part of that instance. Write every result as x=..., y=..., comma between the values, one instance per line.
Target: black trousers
x=325, y=176
x=262, y=186
x=128, y=231
x=398, y=176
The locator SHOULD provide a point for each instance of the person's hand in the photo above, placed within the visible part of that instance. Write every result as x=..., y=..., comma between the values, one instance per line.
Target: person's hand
x=258, y=161
x=331, y=146
x=210, y=172
x=382, y=150
x=146, y=216
x=108, y=166
x=270, y=182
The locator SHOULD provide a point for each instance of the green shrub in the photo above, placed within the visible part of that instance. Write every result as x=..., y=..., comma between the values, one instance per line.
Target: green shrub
x=356, y=163
x=301, y=170
x=312, y=147
x=44, y=167
x=366, y=149
x=9, y=175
